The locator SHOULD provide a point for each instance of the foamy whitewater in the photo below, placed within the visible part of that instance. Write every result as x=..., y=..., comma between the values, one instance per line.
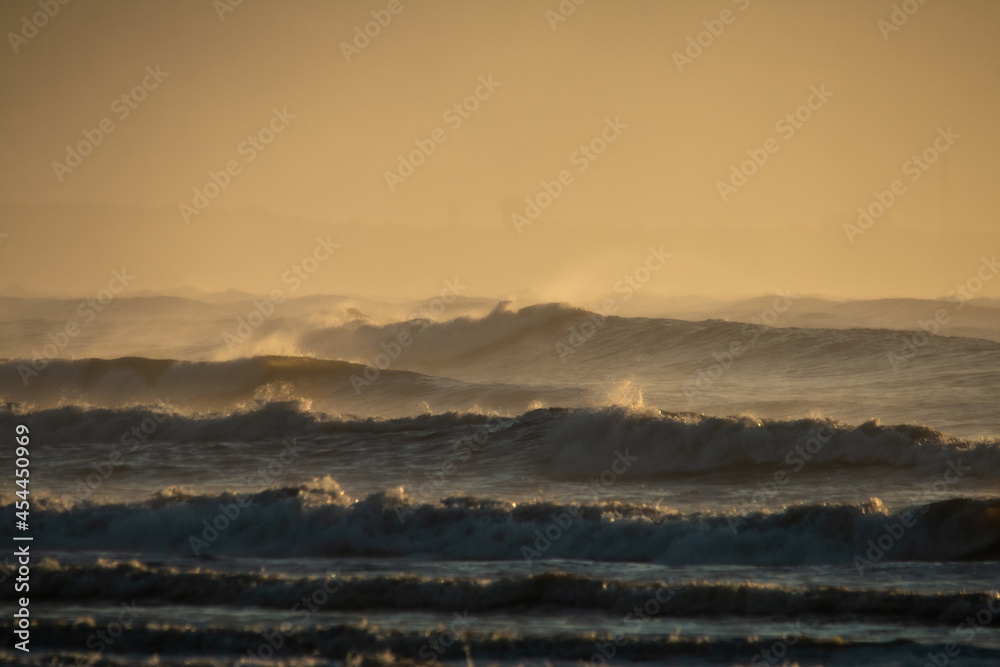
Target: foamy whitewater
x=333, y=480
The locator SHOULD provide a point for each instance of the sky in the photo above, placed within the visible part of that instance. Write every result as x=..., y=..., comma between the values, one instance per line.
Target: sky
x=538, y=147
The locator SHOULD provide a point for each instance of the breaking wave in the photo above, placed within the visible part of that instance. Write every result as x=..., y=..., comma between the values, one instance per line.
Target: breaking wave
x=319, y=520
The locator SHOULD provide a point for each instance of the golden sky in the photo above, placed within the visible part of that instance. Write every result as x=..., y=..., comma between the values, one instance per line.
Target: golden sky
x=627, y=118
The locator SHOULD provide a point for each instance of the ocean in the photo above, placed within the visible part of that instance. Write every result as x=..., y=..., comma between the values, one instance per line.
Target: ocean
x=344, y=481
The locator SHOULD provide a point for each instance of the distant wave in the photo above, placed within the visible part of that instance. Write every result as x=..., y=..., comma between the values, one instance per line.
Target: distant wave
x=319, y=520
x=236, y=379
x=245, y=383
x=529, y=336
x=74, y=424
x=456, y=340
